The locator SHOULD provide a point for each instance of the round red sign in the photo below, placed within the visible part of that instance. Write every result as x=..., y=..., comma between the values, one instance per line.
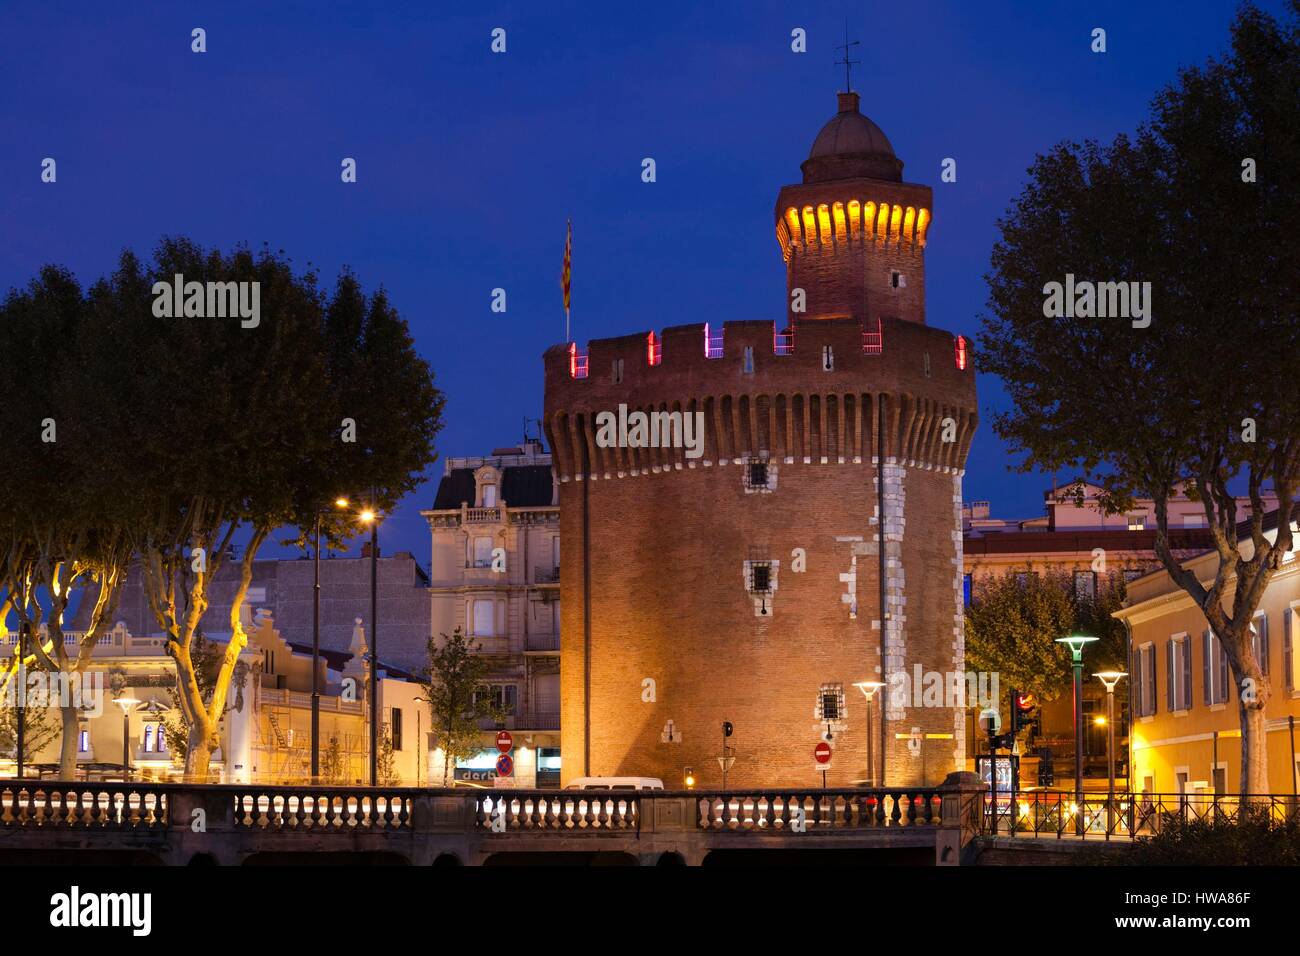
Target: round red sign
x=822, y=752
x=505, y=765
x=505, y=741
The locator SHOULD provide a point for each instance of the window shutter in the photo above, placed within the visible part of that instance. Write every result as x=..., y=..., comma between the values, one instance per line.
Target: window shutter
x=1208, y=691
x=1187, y=672
x=1169, y=674
x=1135, y=669
x=1150, y=674
x=1288, y=671
x=1223, y=672
x=1263, y=644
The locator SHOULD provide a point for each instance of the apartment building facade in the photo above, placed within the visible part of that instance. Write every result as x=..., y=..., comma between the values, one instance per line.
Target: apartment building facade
x=1186, y=735
x=495, y=573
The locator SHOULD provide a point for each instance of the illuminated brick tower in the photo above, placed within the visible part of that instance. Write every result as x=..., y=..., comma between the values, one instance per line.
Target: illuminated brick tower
x=747, y=584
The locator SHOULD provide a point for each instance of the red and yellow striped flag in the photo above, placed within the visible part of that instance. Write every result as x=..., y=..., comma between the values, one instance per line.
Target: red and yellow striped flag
x=567, y=271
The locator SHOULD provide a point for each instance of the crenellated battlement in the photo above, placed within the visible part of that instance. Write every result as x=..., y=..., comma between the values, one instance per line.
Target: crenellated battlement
x=814, y=397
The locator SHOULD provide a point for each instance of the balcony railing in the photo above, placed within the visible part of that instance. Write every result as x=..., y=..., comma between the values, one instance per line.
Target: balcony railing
x=520, y=719
x=546, y=575
x=543, y=642
x=483, y=514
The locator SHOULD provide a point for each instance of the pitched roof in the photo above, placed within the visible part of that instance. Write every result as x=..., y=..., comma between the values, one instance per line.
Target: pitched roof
x=522, y=486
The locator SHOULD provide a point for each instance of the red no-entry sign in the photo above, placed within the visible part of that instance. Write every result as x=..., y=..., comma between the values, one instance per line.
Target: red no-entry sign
x=505, y=741
x=822, y=752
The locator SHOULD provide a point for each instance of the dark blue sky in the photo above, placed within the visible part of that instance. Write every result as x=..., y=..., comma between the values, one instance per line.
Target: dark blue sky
x=469, y=163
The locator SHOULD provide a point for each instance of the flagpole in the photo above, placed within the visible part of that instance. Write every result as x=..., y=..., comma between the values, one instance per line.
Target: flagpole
x=567, y=338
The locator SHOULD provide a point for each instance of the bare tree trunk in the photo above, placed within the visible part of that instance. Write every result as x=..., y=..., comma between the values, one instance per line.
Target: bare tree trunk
x=198, y=753
x=1254, y=751
x=71, y=738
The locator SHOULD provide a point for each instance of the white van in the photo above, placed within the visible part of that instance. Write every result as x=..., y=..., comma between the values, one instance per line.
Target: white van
x=616, y=783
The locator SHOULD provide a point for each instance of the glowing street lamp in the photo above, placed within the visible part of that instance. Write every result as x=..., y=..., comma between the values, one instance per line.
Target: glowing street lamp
x=1076, y=643
x=869, y=688
x=1110, y=679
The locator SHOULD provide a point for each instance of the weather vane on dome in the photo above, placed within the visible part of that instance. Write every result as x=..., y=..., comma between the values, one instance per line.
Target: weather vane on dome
x=848, y=64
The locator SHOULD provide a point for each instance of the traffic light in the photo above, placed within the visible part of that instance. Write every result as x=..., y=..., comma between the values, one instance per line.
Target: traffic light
x=1046, y=772
x=1022, y=712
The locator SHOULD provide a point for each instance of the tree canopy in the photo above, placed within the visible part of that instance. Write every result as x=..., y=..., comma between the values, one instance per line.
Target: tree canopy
x=1203, y=204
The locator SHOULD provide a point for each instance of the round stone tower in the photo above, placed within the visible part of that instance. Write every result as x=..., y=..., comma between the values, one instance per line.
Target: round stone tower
x=723, y=488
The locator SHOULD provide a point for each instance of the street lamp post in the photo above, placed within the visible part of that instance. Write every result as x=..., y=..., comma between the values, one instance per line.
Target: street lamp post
x=869, y=688
x=1076, y=643
x=21, y=715
x=370, y=517
x=127, y=704
x=1110, y=679
x=315, y=647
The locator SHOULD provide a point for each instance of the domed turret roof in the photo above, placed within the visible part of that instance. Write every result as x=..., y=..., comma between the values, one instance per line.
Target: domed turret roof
x=851, y=146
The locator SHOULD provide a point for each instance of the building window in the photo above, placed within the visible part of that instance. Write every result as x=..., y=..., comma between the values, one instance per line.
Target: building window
x=1085, y=585
x=483, y=551
x=148, y=738
x=1194, y=521
x=828, y=359
x=160, y=739
x=897, y=280
x=618, y=371
x=505, y=697
x=395, y=728
x=1137, y=522
x=489, y=496
x=966, y=584
x=83, y=740
x=830, y=703
x=555, y=618
x=484, y=618
x=1259, y=641
x=761, y=581
x=748, y=361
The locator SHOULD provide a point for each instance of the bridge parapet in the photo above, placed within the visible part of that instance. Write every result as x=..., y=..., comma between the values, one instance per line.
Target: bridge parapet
x=233, y=822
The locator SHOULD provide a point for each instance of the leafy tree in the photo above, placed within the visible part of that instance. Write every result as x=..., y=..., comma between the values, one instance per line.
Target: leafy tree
x=458, y=697
x=1203, y=204
x=386, y=761
x=246, y=433
x=62, y=510
x=39, y=730
x=333, y=765
x=1012, y=625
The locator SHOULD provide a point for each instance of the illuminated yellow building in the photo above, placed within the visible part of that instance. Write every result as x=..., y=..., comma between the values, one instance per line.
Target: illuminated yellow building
x=1186, y=735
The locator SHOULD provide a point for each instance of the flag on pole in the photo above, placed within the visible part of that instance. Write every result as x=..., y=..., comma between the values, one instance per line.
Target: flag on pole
x=568, y=265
